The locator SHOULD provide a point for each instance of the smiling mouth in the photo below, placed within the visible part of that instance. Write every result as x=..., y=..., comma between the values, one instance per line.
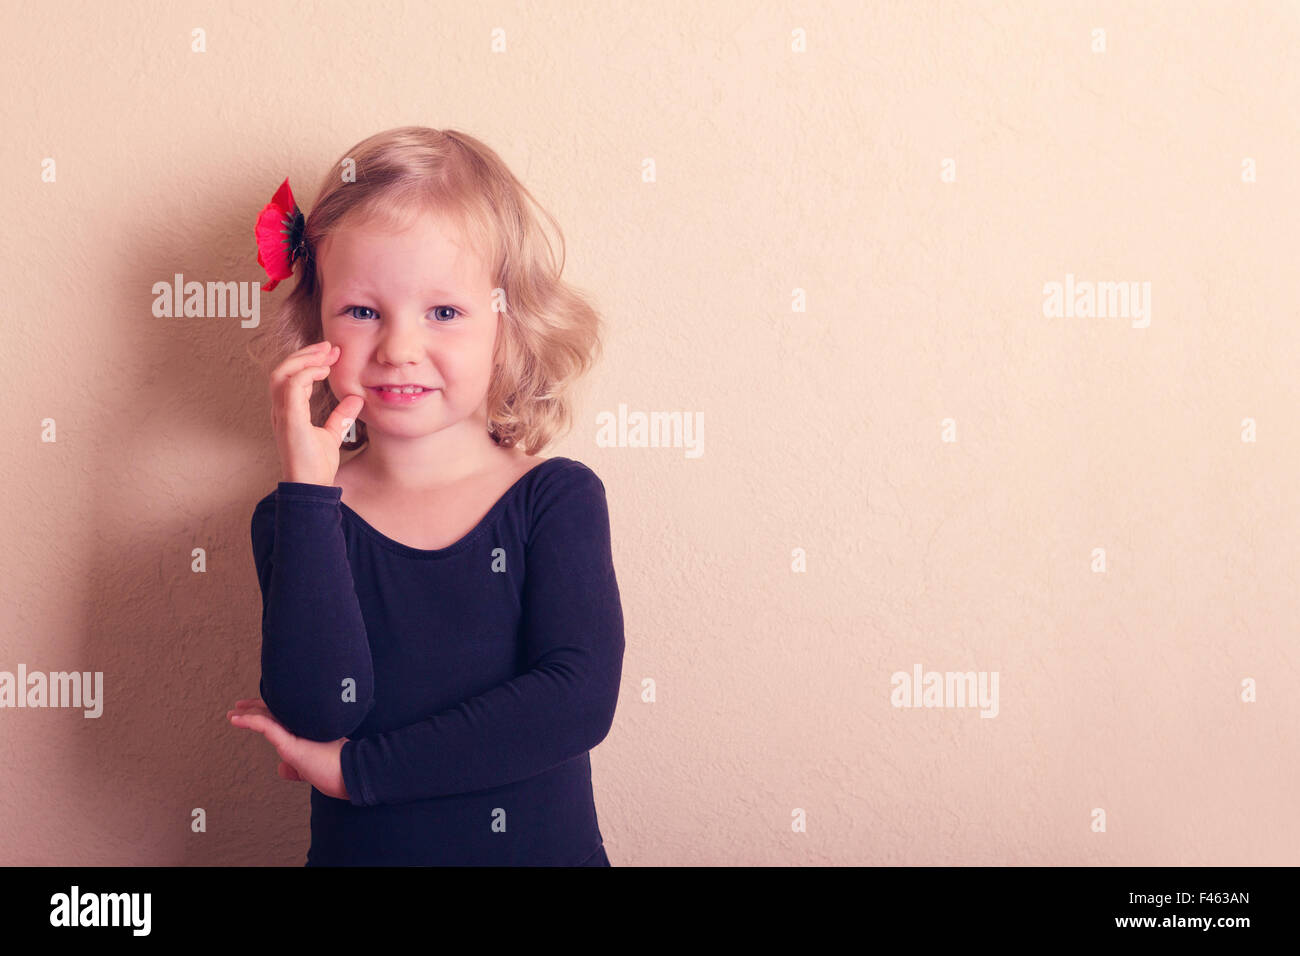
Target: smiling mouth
x=401, y=390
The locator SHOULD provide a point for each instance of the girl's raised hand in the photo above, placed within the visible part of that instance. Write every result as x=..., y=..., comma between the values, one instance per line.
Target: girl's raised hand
x=308, y=453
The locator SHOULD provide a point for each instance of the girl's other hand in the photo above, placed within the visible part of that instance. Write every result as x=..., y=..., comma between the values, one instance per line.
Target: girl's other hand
x=308, y=453
x=318, y=763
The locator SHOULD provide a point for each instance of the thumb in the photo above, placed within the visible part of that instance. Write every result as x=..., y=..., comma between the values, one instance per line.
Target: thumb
x=275, y=734
x=343, y=416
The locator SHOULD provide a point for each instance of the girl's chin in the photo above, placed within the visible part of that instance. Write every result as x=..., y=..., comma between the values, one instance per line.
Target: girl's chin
x=400, y=425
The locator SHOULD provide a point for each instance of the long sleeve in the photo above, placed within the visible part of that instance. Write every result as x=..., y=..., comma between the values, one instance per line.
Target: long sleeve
x=313, y=634
x=562, y=705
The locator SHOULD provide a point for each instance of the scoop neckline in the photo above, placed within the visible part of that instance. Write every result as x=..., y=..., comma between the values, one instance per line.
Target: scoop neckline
x=466, y=540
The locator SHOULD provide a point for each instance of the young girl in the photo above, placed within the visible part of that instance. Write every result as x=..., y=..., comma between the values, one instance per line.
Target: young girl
x=442, y=634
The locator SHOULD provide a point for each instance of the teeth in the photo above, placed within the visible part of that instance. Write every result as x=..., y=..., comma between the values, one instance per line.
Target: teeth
x=408, y=390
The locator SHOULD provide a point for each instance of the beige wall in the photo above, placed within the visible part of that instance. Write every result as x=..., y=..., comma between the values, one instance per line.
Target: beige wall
x=775, y=170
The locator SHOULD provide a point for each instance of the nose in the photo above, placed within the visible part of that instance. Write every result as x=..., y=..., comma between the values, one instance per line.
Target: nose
x=400, y=342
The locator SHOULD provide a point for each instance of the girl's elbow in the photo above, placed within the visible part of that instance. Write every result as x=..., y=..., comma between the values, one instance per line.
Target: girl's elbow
x=601, y=716
x=313, y=723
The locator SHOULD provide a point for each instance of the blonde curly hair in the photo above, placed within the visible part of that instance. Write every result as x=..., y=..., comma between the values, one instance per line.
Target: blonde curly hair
x=550, y=334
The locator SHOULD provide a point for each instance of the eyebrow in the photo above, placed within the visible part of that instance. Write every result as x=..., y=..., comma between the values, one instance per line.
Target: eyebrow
x=349, y=291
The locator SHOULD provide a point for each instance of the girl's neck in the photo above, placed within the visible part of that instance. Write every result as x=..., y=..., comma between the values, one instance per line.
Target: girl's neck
x=427, y=464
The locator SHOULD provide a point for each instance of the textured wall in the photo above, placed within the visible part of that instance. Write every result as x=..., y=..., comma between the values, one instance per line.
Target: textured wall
x=948, y=457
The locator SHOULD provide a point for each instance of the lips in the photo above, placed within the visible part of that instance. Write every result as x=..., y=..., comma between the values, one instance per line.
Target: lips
x=398, y=399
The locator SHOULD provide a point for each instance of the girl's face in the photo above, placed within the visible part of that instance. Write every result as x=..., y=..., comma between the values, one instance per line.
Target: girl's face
x=409, y=308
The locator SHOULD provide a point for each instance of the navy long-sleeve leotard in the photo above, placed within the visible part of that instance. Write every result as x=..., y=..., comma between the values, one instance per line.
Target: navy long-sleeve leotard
x=471, y=680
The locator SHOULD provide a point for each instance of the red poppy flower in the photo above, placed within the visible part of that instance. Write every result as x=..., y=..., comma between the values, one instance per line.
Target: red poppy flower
x=279, y=234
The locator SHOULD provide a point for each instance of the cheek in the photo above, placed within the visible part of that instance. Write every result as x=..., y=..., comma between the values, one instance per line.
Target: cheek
x=470, y=375
x=345, y=338
x=467, y=361
x=347, y=368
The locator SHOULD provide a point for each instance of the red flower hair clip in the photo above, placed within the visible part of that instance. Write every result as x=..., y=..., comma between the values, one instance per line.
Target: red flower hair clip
x=280, y=236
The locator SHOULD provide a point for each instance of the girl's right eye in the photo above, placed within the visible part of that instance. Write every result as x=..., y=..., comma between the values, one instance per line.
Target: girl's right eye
x=350, y=310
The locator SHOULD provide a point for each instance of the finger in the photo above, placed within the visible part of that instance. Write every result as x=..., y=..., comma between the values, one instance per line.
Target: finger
x=291, y=389
x=268, y=728
x=319, y=354
x=322, y=346
x=343, y=415
x=251, y=703
x=271, y=732
x=239, y=720
x=249, y=711
x=301, y=381
x=295, y=393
